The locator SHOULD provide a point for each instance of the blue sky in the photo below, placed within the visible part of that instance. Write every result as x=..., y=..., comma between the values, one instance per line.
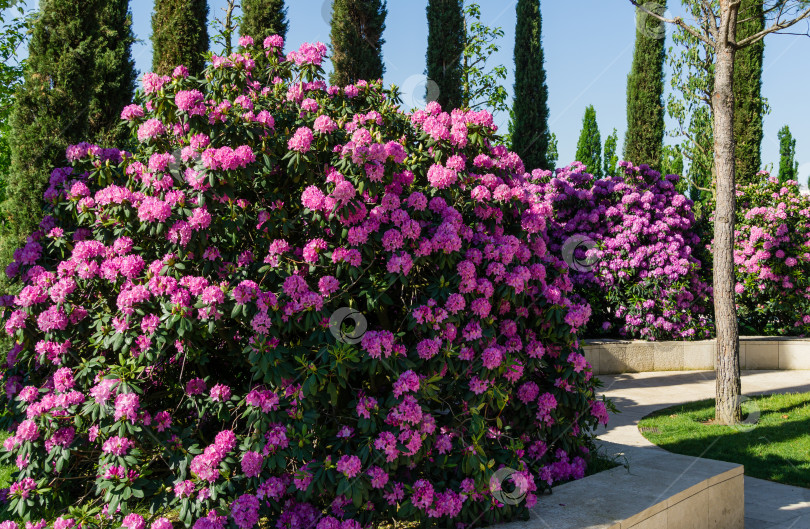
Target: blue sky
x=588, y=48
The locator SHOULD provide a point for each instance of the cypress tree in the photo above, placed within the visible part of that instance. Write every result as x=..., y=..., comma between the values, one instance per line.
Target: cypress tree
x=445, y=48
x=645, y=93
x=749, y=106
x=357, y=29
x=589, y=146
x=530, y=138
x=115, y=75
x=78, y=76
x=788, y=168
x=610, y=153
x=262, y=18
x=179, y=35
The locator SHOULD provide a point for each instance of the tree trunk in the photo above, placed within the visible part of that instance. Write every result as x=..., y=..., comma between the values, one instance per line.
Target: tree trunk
x=727, y=371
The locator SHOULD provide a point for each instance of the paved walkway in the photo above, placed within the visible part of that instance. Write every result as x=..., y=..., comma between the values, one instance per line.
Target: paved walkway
x=768, y=505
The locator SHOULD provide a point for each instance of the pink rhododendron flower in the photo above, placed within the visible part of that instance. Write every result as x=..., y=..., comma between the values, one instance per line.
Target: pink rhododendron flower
x=349, y=465
x=301, y=140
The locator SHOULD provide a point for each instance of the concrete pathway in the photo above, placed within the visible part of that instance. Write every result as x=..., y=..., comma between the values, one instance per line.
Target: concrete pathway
x=768, y=505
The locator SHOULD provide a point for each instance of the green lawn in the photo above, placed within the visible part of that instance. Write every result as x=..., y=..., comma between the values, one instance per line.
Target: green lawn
x=776, y=447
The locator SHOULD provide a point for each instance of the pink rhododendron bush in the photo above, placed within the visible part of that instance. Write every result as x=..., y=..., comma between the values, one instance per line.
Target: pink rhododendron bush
x=772, y=258
x=629, y=240
x=180, y=358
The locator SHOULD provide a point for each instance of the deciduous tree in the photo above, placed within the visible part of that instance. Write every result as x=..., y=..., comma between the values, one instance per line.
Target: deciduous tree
x=715, y=26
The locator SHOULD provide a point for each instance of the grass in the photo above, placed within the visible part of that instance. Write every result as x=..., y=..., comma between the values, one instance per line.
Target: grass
x=775, y=446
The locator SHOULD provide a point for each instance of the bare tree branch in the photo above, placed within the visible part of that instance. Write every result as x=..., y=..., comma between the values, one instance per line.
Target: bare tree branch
x=805, y=34
x=678, y=21
x=777, y=26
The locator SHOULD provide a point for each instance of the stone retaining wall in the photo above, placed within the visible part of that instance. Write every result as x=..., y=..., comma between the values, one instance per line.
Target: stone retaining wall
x=756, y=352
x=660, y=490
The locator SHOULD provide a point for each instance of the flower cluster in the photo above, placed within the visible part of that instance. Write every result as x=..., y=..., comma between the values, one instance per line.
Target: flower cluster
x=772, y=257
x=629, y=241
x=175, y=342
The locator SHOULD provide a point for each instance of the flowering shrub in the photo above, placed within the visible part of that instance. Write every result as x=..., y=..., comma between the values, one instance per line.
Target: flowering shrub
x=175, y=343
x=772, y=257
x=635, y=265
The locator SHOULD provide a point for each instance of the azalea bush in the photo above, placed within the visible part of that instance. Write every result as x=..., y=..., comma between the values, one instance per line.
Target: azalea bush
x=296, y=302
x=630, y=242
x=772, y=257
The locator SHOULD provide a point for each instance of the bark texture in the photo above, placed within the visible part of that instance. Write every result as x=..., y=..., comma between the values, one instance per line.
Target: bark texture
x=727, y=370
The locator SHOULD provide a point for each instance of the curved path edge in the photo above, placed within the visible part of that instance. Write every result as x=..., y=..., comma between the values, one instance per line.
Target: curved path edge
x=768, y=505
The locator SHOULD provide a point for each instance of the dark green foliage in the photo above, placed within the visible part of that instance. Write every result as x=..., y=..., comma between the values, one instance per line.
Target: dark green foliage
x=5, y=159
x=12, y=36
x=445, y=49
x=645, y=92
x=701, y=163
x=179, y=35
x=114, y=73
x=79, y=74
x=530, y=138
x=610, y=154
x=788, y=168
x=262, y=18
x=481, y=85
x=749, y=106
x=589, y=146
x=357, y=29
x=672, y=161
x=552, y=155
